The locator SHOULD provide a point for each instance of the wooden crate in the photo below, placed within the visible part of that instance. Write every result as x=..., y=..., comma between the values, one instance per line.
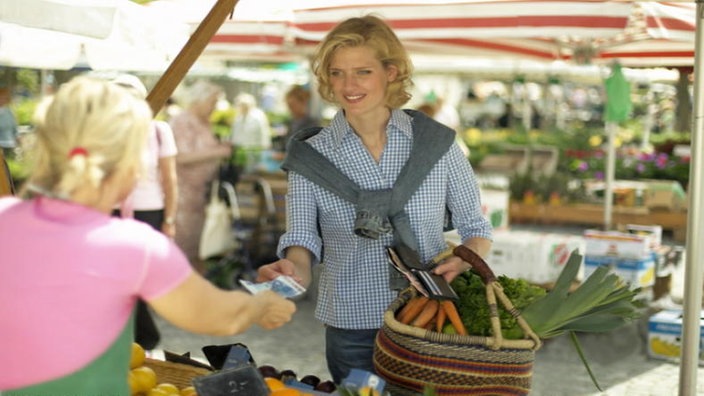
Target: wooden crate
x=178, y=374
x=593, y=215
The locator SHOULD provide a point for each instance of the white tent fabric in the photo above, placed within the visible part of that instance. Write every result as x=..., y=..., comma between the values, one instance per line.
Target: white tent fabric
x=637, y=33
x=102, y=35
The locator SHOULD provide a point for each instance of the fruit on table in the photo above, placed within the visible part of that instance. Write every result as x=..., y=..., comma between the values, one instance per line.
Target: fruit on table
x=277, y=382
x=160, y=392
x=311, y=380
x=165, y=389
x=189, y=391
x=269, y=371
x=326, y=386
x=138, y=356
x=274, y=383
x=142, y=379
x=287, y=392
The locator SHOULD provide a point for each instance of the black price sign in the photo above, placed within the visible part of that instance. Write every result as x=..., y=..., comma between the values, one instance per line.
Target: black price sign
x=244, y=380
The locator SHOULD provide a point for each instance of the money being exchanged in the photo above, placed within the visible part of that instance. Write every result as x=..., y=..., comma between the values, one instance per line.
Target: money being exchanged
x=282, y=284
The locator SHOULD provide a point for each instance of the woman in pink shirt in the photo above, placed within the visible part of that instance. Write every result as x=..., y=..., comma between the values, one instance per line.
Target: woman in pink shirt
x=71, y=273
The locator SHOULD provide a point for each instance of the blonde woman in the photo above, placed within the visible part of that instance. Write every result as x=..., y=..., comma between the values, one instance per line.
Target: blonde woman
x=71, y=273
x=373, y=148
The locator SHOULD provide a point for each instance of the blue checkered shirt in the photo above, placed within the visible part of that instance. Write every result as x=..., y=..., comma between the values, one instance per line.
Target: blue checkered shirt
x=354, y=280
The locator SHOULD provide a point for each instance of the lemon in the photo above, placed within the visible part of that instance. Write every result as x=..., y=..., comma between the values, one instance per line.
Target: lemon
x=189, y=391
x=132, y=381
x=144, y=378
x=171, y=388
x=138, y=356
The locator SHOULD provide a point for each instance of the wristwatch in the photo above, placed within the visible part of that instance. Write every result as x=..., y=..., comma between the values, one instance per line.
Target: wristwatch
x=169, y=220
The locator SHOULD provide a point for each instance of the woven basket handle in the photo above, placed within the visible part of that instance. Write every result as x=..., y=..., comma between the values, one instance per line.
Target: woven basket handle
x=495, y=292
x=478, y=263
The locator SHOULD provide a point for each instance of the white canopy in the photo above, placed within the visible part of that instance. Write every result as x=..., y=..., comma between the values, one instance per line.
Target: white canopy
x=100, y=34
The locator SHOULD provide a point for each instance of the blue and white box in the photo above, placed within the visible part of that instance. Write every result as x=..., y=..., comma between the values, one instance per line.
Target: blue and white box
x=638, y=272
x=665, y=335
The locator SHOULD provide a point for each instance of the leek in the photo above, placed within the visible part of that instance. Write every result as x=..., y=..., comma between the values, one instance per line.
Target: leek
x=603, y=302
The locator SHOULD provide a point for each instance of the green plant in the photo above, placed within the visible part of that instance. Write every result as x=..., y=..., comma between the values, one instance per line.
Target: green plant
x=221, y=119
x=629, y=166
x=23, y=110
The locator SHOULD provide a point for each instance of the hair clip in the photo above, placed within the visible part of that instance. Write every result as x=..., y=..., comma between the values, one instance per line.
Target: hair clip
x=78, y=151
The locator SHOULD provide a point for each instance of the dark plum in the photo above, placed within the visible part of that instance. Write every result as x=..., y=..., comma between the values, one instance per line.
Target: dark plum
x=326, y=387
x=269, y=371
x=311, y=380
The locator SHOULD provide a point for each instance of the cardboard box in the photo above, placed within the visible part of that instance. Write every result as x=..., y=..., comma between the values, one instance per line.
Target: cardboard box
x=637, y=272
x=617, y=244
x=536, y=257
x=665, y=336
x=665, y=195
x=653, y=232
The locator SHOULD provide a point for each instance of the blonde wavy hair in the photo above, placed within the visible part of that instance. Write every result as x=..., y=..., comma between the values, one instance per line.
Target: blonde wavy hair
x=87, y=131
x=372, y=32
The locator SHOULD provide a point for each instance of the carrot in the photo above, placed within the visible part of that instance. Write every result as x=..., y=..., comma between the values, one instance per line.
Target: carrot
x=431, y=324
x=427, y=314
x=440, y=319
x=404, y=310
x=452, y=314
x=415, y=305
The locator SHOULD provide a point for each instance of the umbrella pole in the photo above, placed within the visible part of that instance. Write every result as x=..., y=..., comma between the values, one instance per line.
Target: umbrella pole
x=166, y=85
x=609, y=176
x=693, y=276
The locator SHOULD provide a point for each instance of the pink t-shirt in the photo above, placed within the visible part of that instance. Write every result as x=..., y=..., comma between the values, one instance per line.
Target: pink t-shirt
x=69, y=279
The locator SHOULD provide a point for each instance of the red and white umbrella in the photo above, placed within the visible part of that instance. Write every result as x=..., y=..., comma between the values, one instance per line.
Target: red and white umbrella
x=636, y=33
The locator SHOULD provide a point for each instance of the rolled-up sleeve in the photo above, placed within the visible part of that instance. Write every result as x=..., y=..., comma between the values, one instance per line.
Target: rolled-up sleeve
x=301, y=218
x=464, y=198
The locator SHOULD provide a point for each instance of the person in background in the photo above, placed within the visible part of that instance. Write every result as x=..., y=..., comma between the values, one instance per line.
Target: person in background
x=251, y=132
x=363, y=68
x=298, y=103
x=154, y=199
x=447, y=114
x=8, y=125
x=197, y=162
x=71, y=273
x=427, y=109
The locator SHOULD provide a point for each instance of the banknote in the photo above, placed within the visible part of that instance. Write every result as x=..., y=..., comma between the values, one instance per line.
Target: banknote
x=282, y=284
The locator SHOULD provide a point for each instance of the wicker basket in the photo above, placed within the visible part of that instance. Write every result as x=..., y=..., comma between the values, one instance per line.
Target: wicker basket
x=178, y=374
x=410, y=358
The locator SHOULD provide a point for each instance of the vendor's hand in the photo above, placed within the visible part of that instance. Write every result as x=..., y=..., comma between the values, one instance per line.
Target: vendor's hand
x=281, y=267
x=275, y=310
x=451, y=267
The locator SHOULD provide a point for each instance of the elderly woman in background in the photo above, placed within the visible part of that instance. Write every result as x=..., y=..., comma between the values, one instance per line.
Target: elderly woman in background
x=251, y=132
x=199, y=156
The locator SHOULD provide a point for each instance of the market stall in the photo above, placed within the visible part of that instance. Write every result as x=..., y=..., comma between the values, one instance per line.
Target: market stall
x=579, y=52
